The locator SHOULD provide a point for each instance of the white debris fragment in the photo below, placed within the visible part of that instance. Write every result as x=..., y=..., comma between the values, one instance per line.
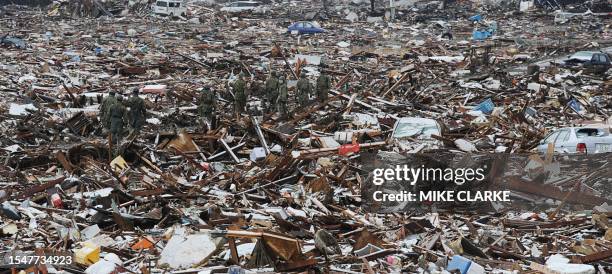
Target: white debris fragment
x=465, y=145
x=13, y=148
x=185, y=250
x=19, y=110
x=154, y=121
x=101, y=267
x=352, y=17
x=560, y=264
x=90, y=232
x=243, y=250
x=343, y=44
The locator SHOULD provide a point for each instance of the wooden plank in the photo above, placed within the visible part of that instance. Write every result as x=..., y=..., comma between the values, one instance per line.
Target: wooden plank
x=593, y=257
x=229, y=150
x=61, y=157
x=148, y=192
x=233, y=251
x=294, y=265
x=39, y=188
x=516, y=183
x=367, y=266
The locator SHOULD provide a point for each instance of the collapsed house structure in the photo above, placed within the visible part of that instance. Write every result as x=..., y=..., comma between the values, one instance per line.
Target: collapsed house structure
x=261, y=193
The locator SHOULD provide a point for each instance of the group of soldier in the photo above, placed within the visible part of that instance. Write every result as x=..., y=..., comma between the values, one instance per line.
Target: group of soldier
x=276, y=96
x=114, y=114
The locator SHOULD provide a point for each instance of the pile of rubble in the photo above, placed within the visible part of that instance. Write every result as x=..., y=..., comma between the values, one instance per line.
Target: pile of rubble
x=231, y=183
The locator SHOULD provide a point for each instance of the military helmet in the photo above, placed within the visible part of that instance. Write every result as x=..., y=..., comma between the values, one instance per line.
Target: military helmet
x=119, y=97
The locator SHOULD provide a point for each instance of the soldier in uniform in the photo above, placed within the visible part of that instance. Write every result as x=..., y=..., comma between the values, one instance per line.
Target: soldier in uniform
x=206, y=107
x=240, y=97
x=255, y=88
x=137, y=113
x=117, y=113
x=107, y=102
x=271, y=91
x=323, y=85
x=303, y=90
x=281, y=101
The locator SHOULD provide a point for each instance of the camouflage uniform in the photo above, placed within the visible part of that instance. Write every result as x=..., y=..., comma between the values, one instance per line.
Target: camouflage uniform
x=107, y=102
x=137, y=113
x=240, y=97
x=271, y=92
x=323, y=85
x=255, y=89
x=207, y=103
x=281, y=101
x=117, y=113
x=303, y=90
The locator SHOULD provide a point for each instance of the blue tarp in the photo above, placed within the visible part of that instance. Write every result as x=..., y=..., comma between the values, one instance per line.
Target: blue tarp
x=459, y=263
x=481, y=35
x=575, y=105
x=476, y=18
x=486, y=106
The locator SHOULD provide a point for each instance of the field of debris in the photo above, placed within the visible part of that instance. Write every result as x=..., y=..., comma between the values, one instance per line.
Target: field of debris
x=212, y=183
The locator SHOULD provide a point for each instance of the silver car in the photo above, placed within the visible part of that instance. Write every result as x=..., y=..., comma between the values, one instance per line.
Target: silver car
x=578, y=140
x=414, y=133
x=240, y=6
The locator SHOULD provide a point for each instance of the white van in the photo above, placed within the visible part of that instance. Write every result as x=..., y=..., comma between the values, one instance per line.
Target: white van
x=170, y=7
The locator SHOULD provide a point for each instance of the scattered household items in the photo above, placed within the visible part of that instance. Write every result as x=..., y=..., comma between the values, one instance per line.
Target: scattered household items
x=242, y=137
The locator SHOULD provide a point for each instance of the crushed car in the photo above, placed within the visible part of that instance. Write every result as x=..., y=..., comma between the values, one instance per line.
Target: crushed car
x=572, y=140
x=415, y=134
x=594, y=61
x=241, y=6
x=305, y=28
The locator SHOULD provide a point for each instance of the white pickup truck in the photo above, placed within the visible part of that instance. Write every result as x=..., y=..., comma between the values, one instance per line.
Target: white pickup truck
x=578, y=140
